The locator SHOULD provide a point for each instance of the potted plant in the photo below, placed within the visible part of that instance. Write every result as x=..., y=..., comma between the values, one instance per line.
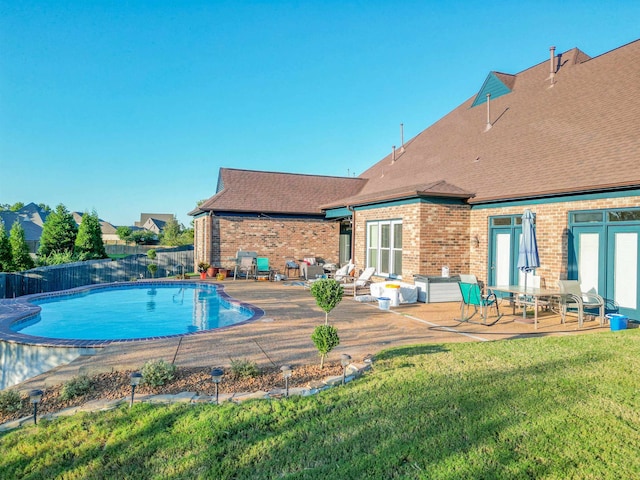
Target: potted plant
x=202, y=268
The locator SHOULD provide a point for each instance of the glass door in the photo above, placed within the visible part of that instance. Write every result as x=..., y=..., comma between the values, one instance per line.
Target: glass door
x=622, y=268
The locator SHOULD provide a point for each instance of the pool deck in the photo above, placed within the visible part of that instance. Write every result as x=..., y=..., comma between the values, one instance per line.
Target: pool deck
x=283, y=335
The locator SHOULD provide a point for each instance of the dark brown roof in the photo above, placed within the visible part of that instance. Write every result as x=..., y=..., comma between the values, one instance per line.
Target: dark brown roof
x=582, y=134
x=277, y=193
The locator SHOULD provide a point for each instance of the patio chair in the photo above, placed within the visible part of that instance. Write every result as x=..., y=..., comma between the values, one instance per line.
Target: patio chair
x=574, y=300
x=472, y=297
x=361, y=283
x=244, y=264
x=262, y=268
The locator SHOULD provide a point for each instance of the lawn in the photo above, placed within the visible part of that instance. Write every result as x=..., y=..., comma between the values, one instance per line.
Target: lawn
x=557, y=407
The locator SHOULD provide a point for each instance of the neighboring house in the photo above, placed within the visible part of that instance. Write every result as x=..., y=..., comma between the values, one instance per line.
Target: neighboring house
x=561, y=138
x=109, y=235
x=155, y=218
x=276, y=215
x=31, y=217
x=154, y=225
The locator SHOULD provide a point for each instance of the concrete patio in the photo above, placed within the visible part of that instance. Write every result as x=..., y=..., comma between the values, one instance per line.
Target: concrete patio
x=283, y=334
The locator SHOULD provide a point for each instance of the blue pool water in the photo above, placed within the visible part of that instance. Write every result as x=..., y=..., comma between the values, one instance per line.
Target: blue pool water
x=134, y=311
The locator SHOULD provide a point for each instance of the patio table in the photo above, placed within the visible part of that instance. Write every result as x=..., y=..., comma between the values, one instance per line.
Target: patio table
x=515, y=291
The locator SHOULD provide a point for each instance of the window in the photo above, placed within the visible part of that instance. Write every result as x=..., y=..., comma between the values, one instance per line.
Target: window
x=384, y=247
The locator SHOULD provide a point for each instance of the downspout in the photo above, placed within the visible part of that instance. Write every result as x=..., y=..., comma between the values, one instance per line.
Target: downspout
x=353, y=231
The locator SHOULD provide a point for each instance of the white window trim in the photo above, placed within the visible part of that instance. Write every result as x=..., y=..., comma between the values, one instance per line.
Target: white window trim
x=392, y=247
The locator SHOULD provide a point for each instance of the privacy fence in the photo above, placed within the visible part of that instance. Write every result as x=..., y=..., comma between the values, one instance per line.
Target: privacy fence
x=174, y=261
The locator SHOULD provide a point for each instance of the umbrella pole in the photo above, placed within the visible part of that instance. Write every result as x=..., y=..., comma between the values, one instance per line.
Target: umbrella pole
x=524, y=305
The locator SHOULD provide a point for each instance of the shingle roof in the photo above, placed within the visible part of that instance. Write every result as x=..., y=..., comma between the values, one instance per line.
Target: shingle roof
x=276, y=193
x=582, y=134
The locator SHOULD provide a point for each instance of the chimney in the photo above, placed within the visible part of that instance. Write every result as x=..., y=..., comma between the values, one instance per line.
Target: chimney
x=552, y=66
x=488, y=112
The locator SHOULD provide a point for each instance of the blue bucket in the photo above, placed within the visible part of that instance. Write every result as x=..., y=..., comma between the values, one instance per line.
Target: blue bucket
x=384, y=303
x=617, y=322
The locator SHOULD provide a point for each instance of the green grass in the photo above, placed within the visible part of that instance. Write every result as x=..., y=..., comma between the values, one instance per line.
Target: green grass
x=557, y=408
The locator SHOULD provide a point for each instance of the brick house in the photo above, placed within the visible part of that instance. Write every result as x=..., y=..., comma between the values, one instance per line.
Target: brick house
x=561, y=138
x=277, y=215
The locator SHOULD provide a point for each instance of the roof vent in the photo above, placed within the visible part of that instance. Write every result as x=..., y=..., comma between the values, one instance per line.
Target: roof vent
x=402, y=138
x=393, y=155
x=488, y=113
x=552, y=67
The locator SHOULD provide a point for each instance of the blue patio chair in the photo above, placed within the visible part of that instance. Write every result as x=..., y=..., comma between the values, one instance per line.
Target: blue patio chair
x=472, y=297
x=262, y=268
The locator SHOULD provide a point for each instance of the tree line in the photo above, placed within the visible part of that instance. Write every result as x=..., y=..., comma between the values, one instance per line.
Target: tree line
x=62, y=241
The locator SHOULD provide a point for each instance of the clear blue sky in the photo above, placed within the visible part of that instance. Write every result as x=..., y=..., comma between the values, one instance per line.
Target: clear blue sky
x=130, y=107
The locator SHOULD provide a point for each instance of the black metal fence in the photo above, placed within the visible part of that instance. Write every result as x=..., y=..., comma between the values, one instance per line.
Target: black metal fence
x=174, y=261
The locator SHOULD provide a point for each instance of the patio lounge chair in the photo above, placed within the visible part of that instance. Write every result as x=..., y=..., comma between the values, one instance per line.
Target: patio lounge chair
x=344, y=272
x=361, y=283
x=574, y=300
x=472, y=297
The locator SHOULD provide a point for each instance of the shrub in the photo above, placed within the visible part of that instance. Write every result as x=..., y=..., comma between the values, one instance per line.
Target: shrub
x=76, y=387
x=10, y=401
x=244, y=368
x=328, y=293
x=153, y=268
x=156, y=373
x=325, y=338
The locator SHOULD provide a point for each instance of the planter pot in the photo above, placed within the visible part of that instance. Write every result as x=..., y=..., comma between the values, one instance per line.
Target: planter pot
x=203, y=275
x=212, y=272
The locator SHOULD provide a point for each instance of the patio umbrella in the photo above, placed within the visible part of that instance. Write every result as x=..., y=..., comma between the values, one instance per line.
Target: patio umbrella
x=528, y=259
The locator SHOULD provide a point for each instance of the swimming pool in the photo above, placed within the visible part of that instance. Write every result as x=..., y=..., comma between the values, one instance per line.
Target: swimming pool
x=131, y=311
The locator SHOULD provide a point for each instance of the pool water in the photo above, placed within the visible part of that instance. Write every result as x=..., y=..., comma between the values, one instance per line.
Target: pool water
x=135, y=311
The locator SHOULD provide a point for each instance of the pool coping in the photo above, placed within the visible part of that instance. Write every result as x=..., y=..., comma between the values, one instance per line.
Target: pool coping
x=20, y=309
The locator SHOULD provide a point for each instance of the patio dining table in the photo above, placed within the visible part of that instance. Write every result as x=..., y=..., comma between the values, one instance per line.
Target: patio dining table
x=515, y=291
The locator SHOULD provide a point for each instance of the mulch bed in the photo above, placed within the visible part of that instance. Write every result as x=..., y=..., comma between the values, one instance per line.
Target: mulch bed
x=115, y=385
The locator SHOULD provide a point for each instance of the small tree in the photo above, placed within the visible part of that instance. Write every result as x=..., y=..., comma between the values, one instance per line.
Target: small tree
x=6, y=259
x=325, y=338
x=171, y=233
x=19, y=249
x=89, y=244
x=328, y=294
x=153, y=268
x=58, y=232
x=124, y=233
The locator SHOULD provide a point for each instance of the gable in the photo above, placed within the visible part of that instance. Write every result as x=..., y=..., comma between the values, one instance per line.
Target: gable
x=496, y=84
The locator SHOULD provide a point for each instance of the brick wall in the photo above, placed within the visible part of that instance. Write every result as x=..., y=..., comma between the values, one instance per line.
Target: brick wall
x=552, y=221
x=433, y=236
x=277, y=239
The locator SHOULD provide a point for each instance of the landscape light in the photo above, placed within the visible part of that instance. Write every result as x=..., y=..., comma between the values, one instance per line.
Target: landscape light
x=134, y=381
x=34, y=397
x=345, y=360
x=216, y=376
x=286, y=373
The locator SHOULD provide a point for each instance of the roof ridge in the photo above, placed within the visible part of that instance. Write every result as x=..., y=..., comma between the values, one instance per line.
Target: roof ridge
x=268, y=172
